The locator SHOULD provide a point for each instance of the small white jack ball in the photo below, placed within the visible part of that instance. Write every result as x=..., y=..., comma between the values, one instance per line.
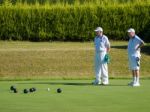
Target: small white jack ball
x=48, y=89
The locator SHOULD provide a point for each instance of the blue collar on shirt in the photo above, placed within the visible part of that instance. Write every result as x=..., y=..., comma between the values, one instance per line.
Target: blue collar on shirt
x=133, y=37
x=100, y=36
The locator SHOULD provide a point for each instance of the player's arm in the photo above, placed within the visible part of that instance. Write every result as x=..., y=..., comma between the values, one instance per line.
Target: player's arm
x=108, y=49
x=108, y=46
x=140, y=45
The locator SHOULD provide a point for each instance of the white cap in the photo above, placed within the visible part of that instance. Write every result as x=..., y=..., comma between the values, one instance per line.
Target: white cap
x=98, y=29
x=131, y=30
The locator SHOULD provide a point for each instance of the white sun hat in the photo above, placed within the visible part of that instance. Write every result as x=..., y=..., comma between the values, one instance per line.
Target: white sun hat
x=130, y=30
x=98, y=29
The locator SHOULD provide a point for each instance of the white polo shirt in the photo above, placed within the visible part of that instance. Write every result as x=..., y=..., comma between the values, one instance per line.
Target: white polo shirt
x=132, y=46
x=101, y=43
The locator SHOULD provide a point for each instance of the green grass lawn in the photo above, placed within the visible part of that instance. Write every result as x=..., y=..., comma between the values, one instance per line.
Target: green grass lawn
x=63, y=60
x=77, y=96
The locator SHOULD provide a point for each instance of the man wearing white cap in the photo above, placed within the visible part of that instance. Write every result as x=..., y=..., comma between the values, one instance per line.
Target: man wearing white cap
x=134, y=45
x=102, y=47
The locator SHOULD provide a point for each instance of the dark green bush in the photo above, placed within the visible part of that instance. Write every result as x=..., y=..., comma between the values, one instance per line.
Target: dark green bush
x=72, y=22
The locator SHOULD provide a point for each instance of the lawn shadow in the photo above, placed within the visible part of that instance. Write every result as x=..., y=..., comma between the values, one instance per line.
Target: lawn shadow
x=120, y=47
x=72, y=84
x=144, y=49
x=59, y=83
x=117, y=85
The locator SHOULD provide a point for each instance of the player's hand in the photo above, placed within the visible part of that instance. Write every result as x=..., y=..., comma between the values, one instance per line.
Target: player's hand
x=107, y=58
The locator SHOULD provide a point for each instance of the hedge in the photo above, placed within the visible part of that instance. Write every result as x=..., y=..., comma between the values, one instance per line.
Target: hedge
x=72, y=22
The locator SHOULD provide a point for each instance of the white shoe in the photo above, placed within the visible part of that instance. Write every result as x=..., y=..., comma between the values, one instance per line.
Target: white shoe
x=105, y=83
x=136, y=84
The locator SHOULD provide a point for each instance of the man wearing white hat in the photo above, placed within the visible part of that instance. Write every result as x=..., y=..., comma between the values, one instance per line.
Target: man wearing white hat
x=134, y=45
x=102, y=46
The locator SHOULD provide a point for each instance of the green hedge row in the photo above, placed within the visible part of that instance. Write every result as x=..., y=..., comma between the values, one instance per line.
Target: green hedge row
x=72, y=23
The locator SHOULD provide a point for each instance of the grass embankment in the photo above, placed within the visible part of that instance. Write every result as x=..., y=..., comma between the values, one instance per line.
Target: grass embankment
x=59, y=60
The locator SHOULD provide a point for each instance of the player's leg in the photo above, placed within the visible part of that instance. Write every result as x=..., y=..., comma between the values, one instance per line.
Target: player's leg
x=132, y=67
x=137, y=75
x=133, y=77
x=97, y=70
x=105, y=77
x=136, y=70
x=135, y=66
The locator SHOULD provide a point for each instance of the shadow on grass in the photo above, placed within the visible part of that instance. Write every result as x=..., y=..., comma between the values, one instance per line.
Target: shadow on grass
x=59, y=83
x=72, y=84
x=144, y=49
x=120, y=47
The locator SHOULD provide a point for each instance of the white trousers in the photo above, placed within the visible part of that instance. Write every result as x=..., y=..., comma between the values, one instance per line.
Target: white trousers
x=101, y=68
